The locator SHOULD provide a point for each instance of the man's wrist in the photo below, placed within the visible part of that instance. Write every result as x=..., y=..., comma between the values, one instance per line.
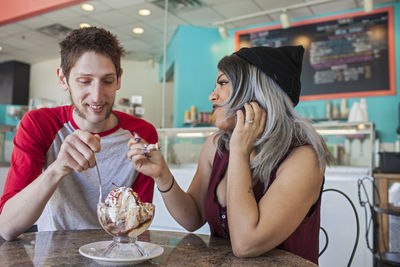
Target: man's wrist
x=56, y=172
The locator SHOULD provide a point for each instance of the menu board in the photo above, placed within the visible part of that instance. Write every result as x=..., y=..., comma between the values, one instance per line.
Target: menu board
x=350, y=55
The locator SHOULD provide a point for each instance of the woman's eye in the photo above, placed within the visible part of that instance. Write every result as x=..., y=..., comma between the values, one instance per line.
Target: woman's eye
x=222, y=83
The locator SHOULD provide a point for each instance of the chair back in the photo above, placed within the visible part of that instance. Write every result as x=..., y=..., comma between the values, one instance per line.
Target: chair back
x=384, y=220
x=357, y=224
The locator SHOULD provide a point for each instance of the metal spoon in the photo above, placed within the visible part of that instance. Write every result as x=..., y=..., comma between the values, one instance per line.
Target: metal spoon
x=98, y=175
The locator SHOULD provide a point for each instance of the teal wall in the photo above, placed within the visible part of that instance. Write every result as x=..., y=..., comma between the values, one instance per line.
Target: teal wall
x=193, y=55
x=5, y=119
x=192, y=58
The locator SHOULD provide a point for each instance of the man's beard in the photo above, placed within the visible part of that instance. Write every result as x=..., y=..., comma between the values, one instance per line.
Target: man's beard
x=82, y=114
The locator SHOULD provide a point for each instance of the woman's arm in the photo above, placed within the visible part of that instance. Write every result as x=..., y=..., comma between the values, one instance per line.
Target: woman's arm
x=187, y=208
x=258, y=228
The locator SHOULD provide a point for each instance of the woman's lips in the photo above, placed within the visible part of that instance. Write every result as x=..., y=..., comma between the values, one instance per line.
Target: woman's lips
x=214, y=107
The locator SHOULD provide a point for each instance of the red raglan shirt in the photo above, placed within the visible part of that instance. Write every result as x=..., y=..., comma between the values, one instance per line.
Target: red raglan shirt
x=73, y=205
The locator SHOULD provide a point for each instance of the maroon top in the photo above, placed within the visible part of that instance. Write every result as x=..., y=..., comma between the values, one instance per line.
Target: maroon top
x=304, y=241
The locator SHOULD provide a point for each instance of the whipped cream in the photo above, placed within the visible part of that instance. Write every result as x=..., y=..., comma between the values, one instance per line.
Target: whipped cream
x=123, y=210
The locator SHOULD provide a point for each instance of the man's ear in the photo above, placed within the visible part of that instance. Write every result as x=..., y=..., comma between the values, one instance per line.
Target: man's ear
x=62, y=80
x=119, y=79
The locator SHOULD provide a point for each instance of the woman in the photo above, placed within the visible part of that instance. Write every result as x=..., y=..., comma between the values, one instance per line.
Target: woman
x=270, y=192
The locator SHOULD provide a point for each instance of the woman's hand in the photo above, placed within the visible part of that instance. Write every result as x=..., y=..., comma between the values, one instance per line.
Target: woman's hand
x=248, y=128
x=147, y=161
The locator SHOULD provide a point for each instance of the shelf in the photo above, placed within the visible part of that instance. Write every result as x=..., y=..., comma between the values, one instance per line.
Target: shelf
x=317, y=120
x=198, y=124
x=4, y=128
x=388, y=208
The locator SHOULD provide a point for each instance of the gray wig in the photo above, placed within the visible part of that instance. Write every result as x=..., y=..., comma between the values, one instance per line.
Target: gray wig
x=284, y=127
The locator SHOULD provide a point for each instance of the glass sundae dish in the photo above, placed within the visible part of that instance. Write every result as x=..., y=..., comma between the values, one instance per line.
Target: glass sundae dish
x=125, y=217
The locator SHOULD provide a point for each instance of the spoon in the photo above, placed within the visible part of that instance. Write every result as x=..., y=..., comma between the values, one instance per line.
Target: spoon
x=98, y=176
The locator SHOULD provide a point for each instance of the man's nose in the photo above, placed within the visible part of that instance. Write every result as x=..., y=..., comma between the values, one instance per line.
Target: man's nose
x=96, y=91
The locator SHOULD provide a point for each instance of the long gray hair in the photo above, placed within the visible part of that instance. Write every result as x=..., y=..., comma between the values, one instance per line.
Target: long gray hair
x=284, y=127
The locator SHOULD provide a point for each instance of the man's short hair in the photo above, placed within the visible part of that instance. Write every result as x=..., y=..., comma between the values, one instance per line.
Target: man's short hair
x=90, y=39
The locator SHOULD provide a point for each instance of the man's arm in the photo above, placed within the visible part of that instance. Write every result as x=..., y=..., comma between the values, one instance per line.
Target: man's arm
x=24, y=208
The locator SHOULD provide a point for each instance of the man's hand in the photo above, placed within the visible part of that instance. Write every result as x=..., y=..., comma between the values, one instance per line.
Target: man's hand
x=77, y=152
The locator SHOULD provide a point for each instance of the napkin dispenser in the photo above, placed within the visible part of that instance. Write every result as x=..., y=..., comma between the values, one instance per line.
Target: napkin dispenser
x=389, y=162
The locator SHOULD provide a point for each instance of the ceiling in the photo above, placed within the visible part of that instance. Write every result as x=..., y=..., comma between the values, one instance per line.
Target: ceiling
x=23, y=41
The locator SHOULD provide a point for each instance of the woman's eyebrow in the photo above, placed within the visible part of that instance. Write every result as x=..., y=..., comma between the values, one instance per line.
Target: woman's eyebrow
x=220, y=76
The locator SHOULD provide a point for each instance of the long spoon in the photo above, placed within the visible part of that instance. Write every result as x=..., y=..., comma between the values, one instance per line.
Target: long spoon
x=98, y=176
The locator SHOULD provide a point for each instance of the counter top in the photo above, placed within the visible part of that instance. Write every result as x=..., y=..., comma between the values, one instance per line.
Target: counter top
x=180, y=249
x=4, y=128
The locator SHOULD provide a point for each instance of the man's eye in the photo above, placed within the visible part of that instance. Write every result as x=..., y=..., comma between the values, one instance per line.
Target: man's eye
x=84, y=81
x=109, y=81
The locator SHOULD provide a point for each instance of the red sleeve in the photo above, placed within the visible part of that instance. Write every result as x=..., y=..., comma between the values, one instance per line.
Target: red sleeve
x=31, y=143
x=144, y=186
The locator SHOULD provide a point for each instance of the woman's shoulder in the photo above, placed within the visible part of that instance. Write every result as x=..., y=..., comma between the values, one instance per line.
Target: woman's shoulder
x=210, y=147
x=303, y=158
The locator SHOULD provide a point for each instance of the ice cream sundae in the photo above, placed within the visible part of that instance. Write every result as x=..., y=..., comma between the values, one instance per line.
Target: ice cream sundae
x=123, y=214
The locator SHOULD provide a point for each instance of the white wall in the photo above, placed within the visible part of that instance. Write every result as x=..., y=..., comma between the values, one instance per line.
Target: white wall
x=44, y=83
x=138, y=78
x=141, y=78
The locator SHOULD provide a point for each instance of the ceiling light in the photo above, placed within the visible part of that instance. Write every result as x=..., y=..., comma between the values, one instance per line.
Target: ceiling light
x=1, y=48
x=84, y=25
x=285, y=20
x=272, y=11
x=87, y=7
x=368, y=5
x=144, y=12
x=223, y=32
x=138, y=30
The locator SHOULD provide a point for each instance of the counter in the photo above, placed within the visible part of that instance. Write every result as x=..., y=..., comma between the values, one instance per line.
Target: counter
x=180, y=249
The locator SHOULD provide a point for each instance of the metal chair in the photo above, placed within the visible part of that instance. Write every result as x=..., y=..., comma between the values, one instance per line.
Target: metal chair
x=357, y=226
x=377, y=210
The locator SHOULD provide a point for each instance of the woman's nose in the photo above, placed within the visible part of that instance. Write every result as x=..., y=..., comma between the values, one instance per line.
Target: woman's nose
x=213, y=96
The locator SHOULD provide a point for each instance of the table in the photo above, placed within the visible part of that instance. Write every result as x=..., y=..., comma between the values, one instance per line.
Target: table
x=383, y=182
x=180, y=249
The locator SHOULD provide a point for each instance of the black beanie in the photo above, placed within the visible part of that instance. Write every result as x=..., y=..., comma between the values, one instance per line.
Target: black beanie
x=282, y=64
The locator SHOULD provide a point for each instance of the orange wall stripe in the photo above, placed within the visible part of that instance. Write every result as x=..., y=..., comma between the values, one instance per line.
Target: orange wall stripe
x=14, y=10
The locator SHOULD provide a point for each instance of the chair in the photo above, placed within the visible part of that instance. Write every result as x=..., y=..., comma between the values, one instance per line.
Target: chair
x=357, y=226
x=379, y=214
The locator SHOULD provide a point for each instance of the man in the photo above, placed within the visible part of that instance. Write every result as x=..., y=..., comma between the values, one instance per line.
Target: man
x=52, y=179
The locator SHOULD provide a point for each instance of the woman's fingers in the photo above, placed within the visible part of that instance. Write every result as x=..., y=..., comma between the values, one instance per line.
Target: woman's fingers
x=136, y=139
x=259, y=114
x=249, y=113
x=239, y=118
